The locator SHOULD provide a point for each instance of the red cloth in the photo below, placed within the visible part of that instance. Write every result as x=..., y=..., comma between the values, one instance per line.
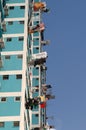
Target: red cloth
x=43, y=105
x=35, y=8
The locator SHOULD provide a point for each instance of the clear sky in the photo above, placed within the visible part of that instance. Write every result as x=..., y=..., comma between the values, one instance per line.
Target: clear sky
x=66, y=28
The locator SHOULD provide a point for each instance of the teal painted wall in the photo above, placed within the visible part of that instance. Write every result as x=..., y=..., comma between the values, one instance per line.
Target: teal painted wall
x=14, y=63
x=35, y=119
x=13, y=1
x=16, y=27
x=9, y=126
x=10, y=85
x=14, y=45
x=12, y=13
x=10, y=107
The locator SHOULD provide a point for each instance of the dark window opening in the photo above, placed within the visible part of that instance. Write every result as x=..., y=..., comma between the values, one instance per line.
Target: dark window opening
x=5, y=77
x=19, y=76
x=36, y=115
x=16, y=123
x=37, y=14
x=22, y=7
x=7, y=57
x=10, y=22
x=1, y=124
x=21, y=38
x=37, y=22
x=37, y=78
x=9, y=39
x=11, y=7
x=21, y=22
x=37, y=68
x=17, y=98
x=19, y=56
x=37, y=48
x=3, y=99
x=37, y=38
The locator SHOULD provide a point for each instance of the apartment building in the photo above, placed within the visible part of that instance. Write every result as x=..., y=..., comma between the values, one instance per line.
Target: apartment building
x=22, y=64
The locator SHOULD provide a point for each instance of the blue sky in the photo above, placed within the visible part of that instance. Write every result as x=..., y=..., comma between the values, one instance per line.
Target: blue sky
x=66, y=29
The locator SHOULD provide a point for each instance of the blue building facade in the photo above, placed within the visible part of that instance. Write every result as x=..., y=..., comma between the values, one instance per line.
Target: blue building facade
x=22, y=71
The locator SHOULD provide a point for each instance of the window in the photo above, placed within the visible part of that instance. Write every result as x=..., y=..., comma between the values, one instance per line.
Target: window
x=21, y=22
x=37, y=128
x=1, y=124
x=22, y=7
x=9, y=39
x=37, y=13
x=37, y=68
x=3, y=99
x=16, y=123
x=10, y=22
x=7, y=57
x=37, y=38
x=37, y=22
x=37, y=48
x=5, y=77
x=37, y=78
x=17, y=98
x=19, y=76
x=36, y=115
x=21, y=38
x=11, y=7
x=19, y=56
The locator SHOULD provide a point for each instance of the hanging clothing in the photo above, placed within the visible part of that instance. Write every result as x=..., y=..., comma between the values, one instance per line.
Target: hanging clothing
x=38, y=5
x=42, y=98
x=42, y=26
x=45, y=10
x=39, y=61
x=29, y=104
x=43, y=105
x=39, y=27
x=42, y=35
x=30, y=31
x=36, y=102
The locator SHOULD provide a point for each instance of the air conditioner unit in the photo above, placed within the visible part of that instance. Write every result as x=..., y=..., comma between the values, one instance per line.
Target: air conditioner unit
x=45, y=42
x=4, y=26
x=6, y=11
x=1, y=43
